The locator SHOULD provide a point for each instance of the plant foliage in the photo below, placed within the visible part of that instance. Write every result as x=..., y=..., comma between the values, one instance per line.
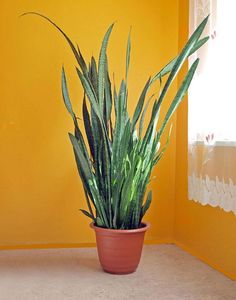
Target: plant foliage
x=116, y=166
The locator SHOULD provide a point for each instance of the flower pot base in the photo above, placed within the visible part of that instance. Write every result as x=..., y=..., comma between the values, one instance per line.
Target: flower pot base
x=119, y=272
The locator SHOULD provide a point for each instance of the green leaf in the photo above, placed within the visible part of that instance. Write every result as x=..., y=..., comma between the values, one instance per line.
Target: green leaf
x=152, y=124
x=180, y=94
x=96, y=132
x=94, y=75
x=88, y=179
x=65, y=94
x=101, y=67
x=139, y=106
x=82, y=62
x=159, y=156
x=147, y=204
x=128, y=49
x=88, y=88
x=117, y=184
x=88, y=128
x=168, y=68
x=84, y=181
x=121, y=120
x=127, y=220
x=88, y=201
x=99, y=222
x=83, y=161
x=106, y=171
x=143, y=115
x=68, y=105
x=87, y=214
x=77, y=55
x=182, y=57
x=199, y=44
x=108, y=95
x=115, y=101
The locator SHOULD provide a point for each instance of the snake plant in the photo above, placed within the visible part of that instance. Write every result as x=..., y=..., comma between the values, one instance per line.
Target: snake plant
x=115, y=167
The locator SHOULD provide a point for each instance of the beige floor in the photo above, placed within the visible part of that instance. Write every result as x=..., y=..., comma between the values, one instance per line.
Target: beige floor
x=165, y=272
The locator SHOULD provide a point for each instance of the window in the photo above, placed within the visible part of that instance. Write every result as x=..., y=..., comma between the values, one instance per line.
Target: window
x=212, y=108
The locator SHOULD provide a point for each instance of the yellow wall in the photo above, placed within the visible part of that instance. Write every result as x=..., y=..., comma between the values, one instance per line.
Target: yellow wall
x=40, y=192
x=206, y=232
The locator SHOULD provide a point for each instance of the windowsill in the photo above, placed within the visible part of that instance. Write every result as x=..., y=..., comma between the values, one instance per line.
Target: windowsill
x=216, y=143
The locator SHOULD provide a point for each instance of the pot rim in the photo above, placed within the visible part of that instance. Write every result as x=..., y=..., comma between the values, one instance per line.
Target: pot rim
x=145, y=226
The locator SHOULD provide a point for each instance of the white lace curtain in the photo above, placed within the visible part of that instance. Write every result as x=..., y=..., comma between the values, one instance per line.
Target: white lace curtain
x=212, y=108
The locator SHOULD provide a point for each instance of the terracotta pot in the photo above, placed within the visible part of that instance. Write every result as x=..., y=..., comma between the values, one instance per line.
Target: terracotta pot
x=119, y=251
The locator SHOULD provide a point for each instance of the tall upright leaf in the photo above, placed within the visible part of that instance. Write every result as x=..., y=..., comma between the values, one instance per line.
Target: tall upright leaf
x=180, y=94
x=128, y=49
x=168, y=68
x=182, y=57
x=88, y=128
x=101, y=67
x=139, y=106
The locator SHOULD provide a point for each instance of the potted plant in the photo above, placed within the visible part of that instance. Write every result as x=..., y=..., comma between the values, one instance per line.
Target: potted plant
x=116, y=166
